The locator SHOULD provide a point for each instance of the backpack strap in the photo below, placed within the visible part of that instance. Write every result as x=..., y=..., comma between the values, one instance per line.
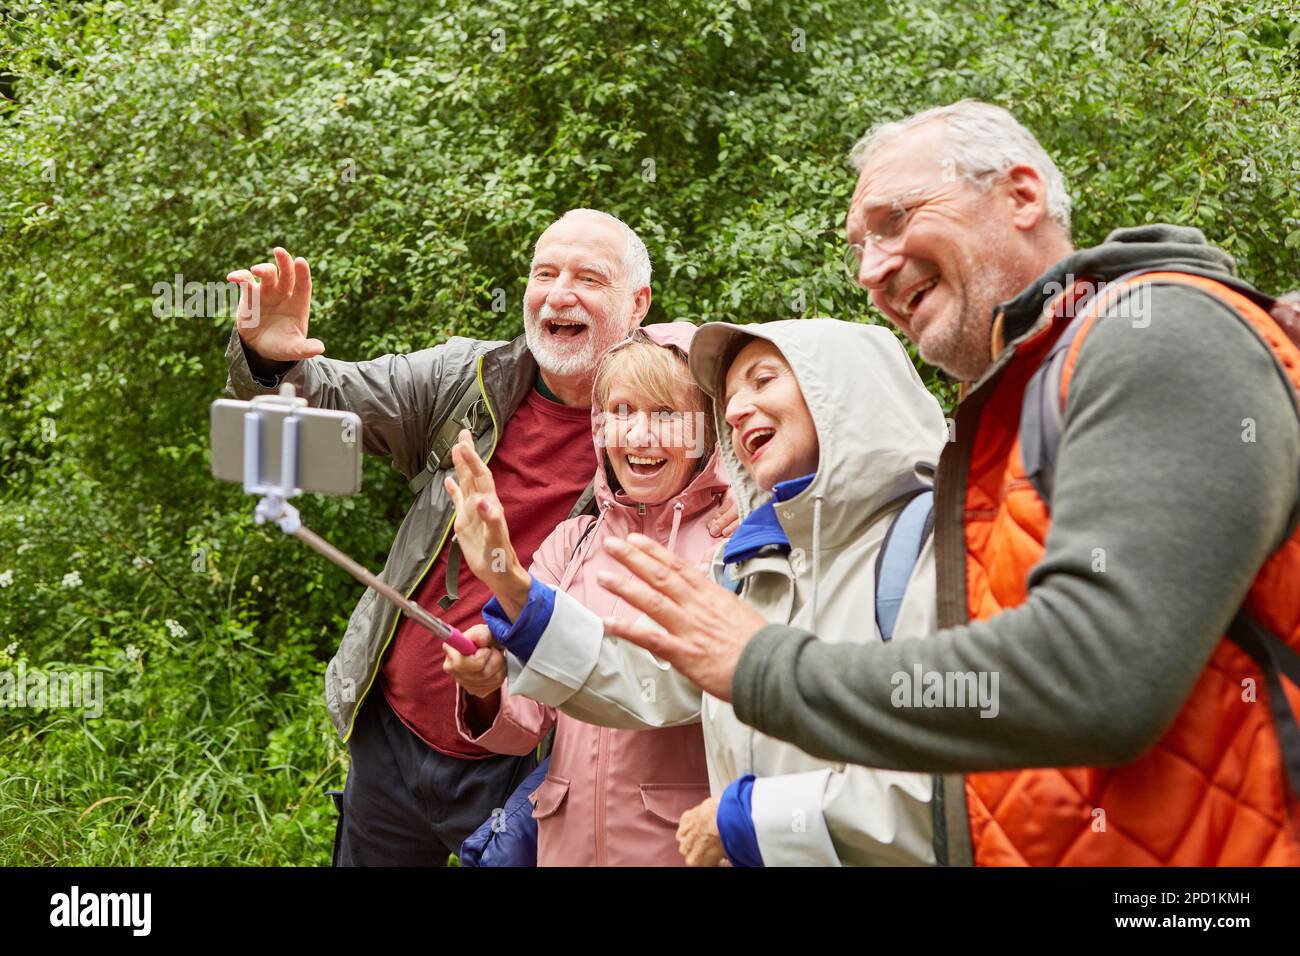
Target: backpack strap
x=1041, y=424
x=468, y=411
x=1042, y=413
x=898, y=555
x=1277, y=660
x=452, y=577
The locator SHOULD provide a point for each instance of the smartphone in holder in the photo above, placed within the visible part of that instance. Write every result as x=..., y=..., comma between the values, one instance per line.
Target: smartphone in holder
x=329, y=445
x=323, y=455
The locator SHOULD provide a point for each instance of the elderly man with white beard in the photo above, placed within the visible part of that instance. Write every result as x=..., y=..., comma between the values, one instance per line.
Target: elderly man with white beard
x=416, y=788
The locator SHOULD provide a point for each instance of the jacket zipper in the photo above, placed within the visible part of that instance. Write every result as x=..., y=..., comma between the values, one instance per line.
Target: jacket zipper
x=379, y=659
x=952, y=840
x=602, y=754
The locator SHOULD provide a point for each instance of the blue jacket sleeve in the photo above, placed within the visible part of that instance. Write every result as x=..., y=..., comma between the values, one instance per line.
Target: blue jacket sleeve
x=521, y=636
x=736, y=823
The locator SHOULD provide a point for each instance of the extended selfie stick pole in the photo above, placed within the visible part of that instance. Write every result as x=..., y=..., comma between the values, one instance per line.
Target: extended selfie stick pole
x=274, y=506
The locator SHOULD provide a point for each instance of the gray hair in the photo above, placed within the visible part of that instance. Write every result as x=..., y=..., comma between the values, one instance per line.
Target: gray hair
x=636, y=258
x=982, y=140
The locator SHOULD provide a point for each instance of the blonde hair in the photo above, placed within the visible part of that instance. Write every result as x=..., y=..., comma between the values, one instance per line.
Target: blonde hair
x=661, y=374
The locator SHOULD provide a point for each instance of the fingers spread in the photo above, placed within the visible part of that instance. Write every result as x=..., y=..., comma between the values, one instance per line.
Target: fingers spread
x=284, y=270
x=644, y=598
x=464, y=470
x=657, y=551
x=475, y=464
x=654, y=564
x=639, y=633
x=301, y=277
x=266, y=274
x=453, y=490
x=244, y=279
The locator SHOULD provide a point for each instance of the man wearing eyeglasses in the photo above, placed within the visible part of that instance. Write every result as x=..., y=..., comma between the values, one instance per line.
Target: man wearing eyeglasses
x=1115, y=531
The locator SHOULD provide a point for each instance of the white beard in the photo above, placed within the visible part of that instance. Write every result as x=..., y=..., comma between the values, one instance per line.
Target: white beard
x=557, y=359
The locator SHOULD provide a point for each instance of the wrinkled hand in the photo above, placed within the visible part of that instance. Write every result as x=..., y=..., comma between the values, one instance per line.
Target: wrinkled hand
x=698, y=839
x=481, y=529
x=707, y=626
x=485, y=672
x=726, y=520
x=274, y=304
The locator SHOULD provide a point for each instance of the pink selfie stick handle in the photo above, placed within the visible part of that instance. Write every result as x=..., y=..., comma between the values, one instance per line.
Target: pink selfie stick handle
x=459, y=641
x=440, y=629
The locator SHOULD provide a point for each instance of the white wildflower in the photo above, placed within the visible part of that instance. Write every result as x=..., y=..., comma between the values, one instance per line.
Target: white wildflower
x=7, y=578
x=72, y=579
x=132, y=652
x=175, y=629
x=11, y=649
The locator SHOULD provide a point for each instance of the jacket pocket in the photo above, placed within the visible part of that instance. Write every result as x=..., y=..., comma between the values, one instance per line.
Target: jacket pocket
x=668, y=801
x=549, y=797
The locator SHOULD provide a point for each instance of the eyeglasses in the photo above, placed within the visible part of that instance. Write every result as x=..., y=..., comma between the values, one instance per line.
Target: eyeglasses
x=885, y=227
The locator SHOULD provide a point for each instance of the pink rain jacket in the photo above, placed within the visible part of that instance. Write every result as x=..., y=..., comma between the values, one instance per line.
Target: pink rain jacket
x=613, y=797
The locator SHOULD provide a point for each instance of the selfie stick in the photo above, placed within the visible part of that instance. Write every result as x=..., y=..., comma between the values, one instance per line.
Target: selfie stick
x=274, y=506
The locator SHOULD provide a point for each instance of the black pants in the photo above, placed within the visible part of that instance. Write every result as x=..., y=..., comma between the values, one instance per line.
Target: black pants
x=406, y=804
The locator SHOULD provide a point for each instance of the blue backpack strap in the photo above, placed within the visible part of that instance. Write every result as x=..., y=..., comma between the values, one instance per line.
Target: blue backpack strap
x=898, y=556
x=727, y=581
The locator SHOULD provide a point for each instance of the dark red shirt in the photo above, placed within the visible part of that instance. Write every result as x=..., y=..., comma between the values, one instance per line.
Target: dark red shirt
x=542, y=464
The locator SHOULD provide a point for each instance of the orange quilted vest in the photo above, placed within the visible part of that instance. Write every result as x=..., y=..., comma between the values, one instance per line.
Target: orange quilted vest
x=1214, y=789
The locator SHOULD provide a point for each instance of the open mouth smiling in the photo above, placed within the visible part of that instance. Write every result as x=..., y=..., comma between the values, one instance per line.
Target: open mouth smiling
x=644, y=465
x=755, y=440
x=907, y=307
x=565, y=329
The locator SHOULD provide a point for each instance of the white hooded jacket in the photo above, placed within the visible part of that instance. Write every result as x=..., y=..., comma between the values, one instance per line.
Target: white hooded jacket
x=880, y=434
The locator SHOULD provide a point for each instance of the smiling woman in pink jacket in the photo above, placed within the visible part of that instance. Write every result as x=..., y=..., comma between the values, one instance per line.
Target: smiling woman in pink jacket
x=611, y=797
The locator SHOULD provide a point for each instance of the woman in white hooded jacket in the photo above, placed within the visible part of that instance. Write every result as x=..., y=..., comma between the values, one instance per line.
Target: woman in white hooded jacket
x=870, y=434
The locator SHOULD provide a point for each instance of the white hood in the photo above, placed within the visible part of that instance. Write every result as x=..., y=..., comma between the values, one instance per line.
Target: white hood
x=880, y=431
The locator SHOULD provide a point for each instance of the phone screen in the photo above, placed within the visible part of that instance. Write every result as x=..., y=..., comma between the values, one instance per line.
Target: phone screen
x=329, y=446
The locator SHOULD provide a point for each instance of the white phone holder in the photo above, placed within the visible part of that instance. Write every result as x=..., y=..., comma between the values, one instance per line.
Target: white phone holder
x=274, y=505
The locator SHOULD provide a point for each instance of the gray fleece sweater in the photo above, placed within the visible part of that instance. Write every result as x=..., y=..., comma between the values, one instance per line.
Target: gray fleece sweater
x=1155, y=470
